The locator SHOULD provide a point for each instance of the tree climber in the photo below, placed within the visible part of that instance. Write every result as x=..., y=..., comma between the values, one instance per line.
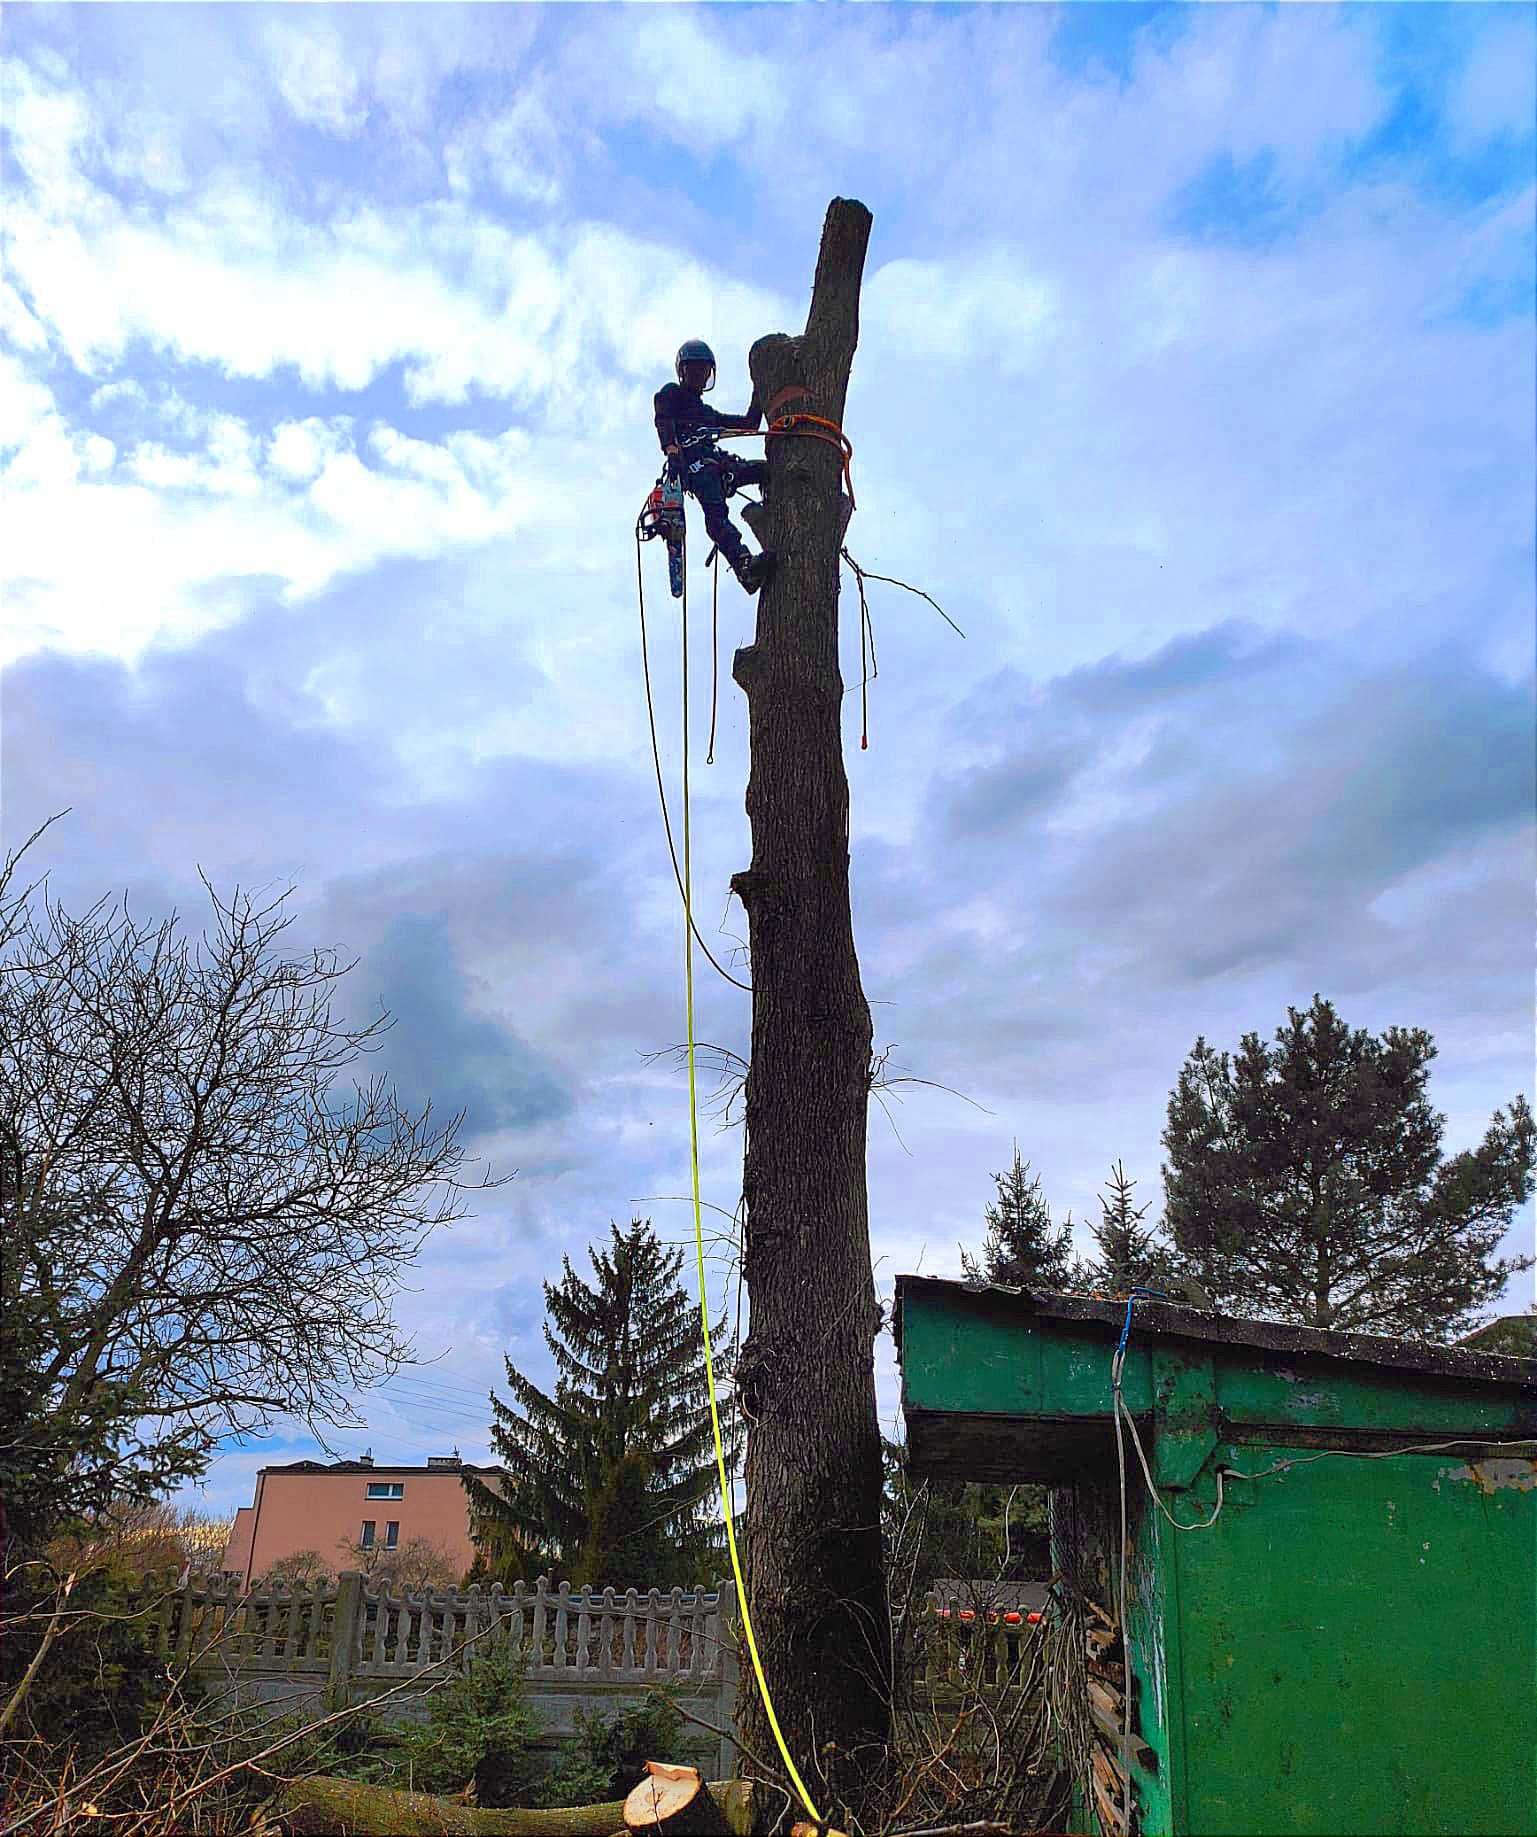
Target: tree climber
x=687, y=426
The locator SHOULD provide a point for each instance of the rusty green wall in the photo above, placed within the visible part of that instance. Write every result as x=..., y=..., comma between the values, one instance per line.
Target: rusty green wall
x=1353, y=1650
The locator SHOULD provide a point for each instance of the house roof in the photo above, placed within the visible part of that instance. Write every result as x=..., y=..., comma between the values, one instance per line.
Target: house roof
x=374, y=1469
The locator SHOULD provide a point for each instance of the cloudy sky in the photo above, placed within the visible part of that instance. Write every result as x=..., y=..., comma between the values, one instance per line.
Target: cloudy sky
x=1195, y=380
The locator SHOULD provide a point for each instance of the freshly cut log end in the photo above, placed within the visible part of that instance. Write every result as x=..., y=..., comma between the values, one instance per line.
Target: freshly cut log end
x=675, y=1802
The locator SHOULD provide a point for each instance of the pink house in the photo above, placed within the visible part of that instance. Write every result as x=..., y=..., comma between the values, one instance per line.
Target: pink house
x=308, y=1505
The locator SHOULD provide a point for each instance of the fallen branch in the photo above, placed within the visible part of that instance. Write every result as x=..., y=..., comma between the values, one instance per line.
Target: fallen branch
x=320, y=1806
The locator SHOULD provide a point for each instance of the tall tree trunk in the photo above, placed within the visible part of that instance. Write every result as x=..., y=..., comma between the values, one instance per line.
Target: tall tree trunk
x=813, y=1469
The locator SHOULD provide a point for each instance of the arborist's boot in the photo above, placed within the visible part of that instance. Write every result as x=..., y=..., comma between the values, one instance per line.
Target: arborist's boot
x=753, y=570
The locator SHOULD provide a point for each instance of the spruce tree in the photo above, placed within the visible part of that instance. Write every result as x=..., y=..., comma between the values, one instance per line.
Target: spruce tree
x=1306, y=1182
x=1022, y=1247
x=1129, y=1253
x=612, y=1478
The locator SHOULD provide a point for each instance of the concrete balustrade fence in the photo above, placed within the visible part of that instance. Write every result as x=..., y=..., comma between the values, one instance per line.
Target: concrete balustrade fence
x=333, y=1645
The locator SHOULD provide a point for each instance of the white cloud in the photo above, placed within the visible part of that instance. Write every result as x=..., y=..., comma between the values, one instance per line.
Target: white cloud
x=49, y=129
x=523, y=151
x=173, y=533
x=315, y=76
x=25, y=403
x=298, y=449
x=674, y=66
x=19, y=325
x=986, y=310
x=125, y=391
x=464, y=304
x=145, y=149
x=226, y=465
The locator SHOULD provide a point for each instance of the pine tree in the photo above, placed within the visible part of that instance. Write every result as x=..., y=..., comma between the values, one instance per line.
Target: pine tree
x=612, y=1479
x=1305, y=1181
x=1023, y=1247
x=1129, y=1251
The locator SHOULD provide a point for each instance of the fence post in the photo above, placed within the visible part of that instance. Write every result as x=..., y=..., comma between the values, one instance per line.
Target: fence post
x=344, y=1637
x=725, y=1697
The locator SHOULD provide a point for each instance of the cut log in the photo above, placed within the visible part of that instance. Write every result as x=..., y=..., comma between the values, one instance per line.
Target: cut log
x=674, y=1802
x=319, y=1806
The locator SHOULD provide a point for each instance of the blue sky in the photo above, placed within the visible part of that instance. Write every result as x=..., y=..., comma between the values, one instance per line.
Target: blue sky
x=1195, y=380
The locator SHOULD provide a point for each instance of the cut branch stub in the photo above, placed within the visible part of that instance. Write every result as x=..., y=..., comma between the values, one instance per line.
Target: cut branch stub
x=675, y=1802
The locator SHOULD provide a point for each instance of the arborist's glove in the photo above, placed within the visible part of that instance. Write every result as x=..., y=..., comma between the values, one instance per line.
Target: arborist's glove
x=754, y=415
x=673, y=465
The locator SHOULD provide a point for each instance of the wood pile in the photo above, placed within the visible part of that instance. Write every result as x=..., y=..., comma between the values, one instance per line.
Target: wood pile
x=1112, y=1710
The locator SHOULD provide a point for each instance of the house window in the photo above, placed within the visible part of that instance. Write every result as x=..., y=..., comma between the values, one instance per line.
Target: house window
x=367, y=1539
x=392, y=1534
x=386, y=1489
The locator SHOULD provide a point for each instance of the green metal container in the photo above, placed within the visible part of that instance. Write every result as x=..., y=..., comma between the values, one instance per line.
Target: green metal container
x=1351, y=1646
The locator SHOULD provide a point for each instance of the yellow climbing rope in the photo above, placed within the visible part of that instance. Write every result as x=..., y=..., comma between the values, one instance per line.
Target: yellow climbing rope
x=704, y=1300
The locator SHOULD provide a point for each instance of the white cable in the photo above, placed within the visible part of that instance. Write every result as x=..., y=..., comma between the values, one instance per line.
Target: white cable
x=1379, y=1454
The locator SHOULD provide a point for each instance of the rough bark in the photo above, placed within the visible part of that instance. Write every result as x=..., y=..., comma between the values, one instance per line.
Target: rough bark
x=320, y=1806
x=806, y=1377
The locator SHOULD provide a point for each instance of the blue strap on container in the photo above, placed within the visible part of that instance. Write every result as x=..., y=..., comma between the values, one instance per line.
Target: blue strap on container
x=1137, y=1294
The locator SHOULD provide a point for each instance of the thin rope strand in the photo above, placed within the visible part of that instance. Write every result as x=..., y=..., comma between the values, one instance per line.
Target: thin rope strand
x=709, y=757
x=656, y=760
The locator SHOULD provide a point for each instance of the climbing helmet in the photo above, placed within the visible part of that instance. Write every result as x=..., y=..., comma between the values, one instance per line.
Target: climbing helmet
x=695, y=351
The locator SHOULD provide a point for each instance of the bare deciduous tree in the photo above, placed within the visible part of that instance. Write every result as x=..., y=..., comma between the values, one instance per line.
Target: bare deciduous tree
x=417, y=1563
x=206, y=1226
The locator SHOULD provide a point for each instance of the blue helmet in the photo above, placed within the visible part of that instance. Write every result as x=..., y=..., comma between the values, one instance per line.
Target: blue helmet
x=695, y=351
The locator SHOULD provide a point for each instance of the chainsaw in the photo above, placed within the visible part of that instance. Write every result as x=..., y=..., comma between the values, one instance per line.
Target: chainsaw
x=662, y=515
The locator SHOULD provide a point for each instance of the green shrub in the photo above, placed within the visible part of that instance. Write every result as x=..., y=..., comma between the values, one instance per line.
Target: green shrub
x=481, y=1713
x=606, y=1756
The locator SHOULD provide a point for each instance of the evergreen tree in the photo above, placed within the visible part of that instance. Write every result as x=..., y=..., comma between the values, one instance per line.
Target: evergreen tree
x=1129, y=1252
x=1305, y=1181
x=1023, y=1247
x=612, y=1478
x=1513, y=1335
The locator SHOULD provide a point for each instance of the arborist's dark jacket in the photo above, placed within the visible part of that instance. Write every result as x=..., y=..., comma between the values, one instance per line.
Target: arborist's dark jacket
x=685, y=420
